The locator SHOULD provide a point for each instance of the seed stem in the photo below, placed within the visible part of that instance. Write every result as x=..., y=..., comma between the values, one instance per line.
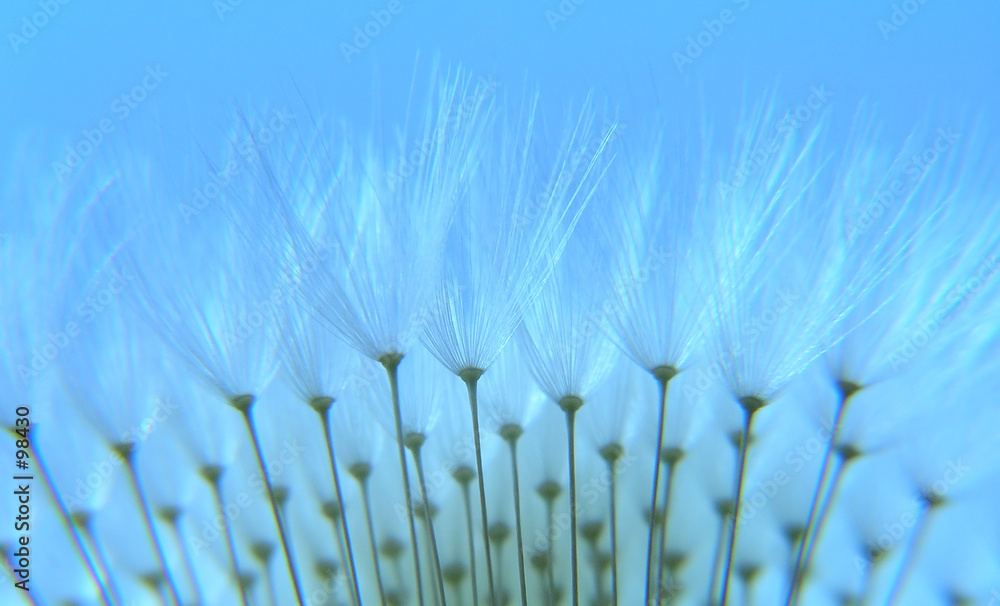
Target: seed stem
x=391, y=364
x=338, y=537
x=470, y=533
x=361, y=471
x=172, y=517
x=415, y=451
x=351, y=566
x=127, y=452
x=212, y=474
x=550, y=553
x=817, y=534
x=911, y=553
x=750, y=405
x=667, y=489
x=571, y=435
x=663, y=375
x=67, y=520
x=471, y=378
x=512, y=442
x=847, y=391
x=867, y=582
x=713, y=580
x=245, y=408
x=265, y=564
x=611, y=454
x=84, y=522
x=499, y=542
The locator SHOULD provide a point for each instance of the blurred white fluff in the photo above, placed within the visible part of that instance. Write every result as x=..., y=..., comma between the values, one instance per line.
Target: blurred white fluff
x=210, y=298
x=316, y=362
x=509, y=392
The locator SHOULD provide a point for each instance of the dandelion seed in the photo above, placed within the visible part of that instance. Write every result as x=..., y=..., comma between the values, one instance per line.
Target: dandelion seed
x=500, y=252
x=567, y=367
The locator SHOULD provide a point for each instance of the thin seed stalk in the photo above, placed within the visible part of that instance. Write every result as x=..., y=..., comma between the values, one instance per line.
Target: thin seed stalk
x=750, y=406
x=362, y=480
x=663, y=375
x=867, y=583
x=338, y=538
x=910, y=555
x=667, y=489
x=429, y=555
x=127, y=452
x=102, y=558
x=613, y=515
x=595, y=566
x=212, y=475
x=503, y=591
x=802, y=570
x=415, y=451
x=747, y=587
x=571, y=409
x=244, y=407
x=794, y=540
x=68, y=522
x=174, y=524
x=797, y=573
x=713, y=579
x=611, y=454
x=391, y=364
x=351, y=566
x=550, y=515
x=470, y=533
x=269, y=582
x=512, y=442
x=471, y=378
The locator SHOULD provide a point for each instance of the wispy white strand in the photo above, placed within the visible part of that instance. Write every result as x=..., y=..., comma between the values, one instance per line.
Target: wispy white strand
x=521, y=207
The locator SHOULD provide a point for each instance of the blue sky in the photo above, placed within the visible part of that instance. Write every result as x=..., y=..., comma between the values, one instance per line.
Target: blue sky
x=943, y=60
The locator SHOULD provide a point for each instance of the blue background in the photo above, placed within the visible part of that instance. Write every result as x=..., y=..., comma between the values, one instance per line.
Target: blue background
x=944, y=60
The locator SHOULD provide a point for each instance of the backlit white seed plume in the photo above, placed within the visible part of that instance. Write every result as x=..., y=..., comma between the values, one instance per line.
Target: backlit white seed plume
x=568, y=354
x=510, y=229
x=509, y=393
x=522, y=204
x=655, y=293
x=385, y=233
x=771, y=306
x=386, y=217
x=768, y=310
x=656, y=297
x=890, y=214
